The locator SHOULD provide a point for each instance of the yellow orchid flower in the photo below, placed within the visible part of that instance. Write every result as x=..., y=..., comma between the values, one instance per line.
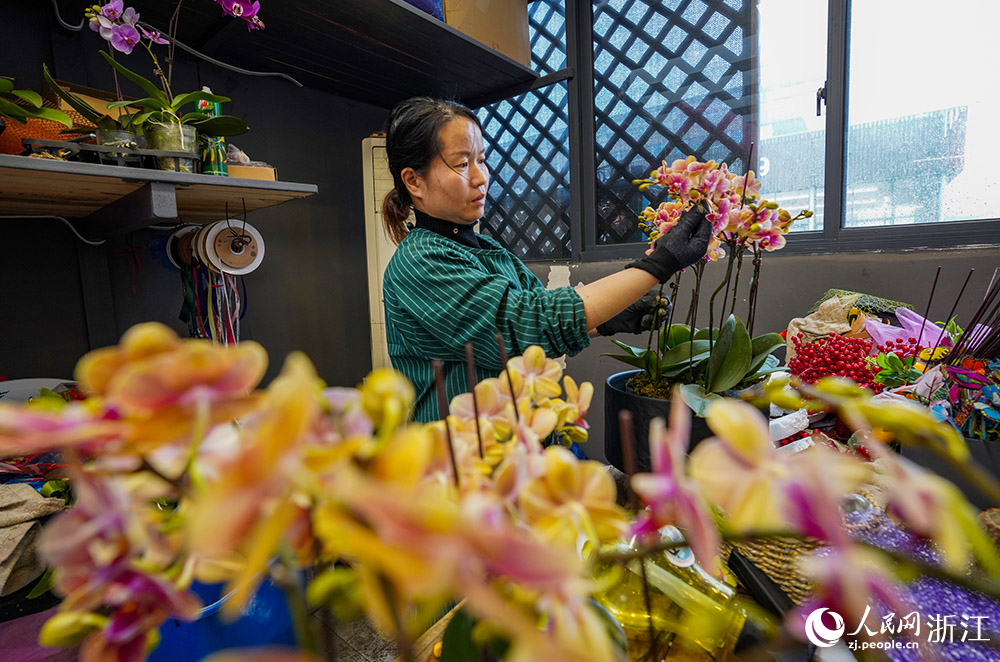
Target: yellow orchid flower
x=539, y=374
x=96, y=369
x=572, y=497
x=741, y=471
x=387, y=397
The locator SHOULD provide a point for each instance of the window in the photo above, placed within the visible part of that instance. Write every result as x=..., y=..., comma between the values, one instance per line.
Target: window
x=528, y=151
x=921, y=134
x=875, y=115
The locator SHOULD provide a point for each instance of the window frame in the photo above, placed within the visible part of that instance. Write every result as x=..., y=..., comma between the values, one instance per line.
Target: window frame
x=832, y=239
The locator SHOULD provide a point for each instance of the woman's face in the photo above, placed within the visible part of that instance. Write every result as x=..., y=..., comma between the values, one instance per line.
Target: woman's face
x=454, y=186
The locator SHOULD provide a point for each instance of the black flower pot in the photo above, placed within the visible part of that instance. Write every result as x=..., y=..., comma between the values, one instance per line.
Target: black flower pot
x=644, y=409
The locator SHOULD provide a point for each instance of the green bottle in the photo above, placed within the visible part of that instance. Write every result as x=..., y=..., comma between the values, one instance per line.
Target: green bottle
x=213, y=148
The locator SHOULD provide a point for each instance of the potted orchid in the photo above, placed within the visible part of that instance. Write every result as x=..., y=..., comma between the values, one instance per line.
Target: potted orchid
x=163, y=119
x=711, y=360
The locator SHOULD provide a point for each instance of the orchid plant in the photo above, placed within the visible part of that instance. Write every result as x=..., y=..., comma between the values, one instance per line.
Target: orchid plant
x=399, y=519
x=714, y=359
x=120, y=27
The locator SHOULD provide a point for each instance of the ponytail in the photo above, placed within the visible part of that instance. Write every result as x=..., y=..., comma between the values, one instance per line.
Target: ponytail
x=394, y=214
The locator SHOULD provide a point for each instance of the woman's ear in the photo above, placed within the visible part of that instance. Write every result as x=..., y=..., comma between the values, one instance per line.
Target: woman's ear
x=414, y=183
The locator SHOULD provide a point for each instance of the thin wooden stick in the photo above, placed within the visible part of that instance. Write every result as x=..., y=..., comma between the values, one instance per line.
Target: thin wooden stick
x=471, y=364
x=947, y=319
x=959, y=347
x=510, y=381
x=443, y=408
x=927, y=311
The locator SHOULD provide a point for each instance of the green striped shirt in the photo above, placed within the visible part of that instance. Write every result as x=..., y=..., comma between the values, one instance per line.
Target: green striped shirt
x=440, y=294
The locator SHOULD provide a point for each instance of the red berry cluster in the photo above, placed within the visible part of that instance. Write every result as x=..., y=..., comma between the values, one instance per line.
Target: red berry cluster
x=903, y=348
x=804, y=434
x=833, y=356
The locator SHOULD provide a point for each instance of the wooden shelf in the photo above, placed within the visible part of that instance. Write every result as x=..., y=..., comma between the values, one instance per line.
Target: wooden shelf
x=114, y=200
x=377, y=51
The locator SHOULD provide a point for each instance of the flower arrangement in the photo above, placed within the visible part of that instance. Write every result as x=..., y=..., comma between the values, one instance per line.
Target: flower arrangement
x=397, y=519
x=711, y=360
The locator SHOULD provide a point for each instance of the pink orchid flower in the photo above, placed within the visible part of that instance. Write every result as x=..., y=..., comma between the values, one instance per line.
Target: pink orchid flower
x=848, y=578
x=112, y=10
x=670, y=496
x=124, y=38
x=27, y=431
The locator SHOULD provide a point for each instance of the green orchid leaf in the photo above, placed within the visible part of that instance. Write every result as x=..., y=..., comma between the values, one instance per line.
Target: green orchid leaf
x=639, y=362
x=182, y=100
x=34, y=98
x=634, y=351
x=91, y=114
x=6, y=86
x=221, y=126
x=703, y=334
x=771, y=363
x=731, y=356
x=147, y=85
x=13, y=112
x=674, y=369
x=673, y=335
x=53, y=115
x=882, y=361
x=695, y=397
x=141, y=118
x=762, y=347
x=44, y=585
x=683, y=353
x=189, y=118
x=149, y=103
x=457, y=644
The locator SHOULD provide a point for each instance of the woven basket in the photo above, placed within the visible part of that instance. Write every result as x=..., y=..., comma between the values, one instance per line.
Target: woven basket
x=779, y=559
x=10, y=139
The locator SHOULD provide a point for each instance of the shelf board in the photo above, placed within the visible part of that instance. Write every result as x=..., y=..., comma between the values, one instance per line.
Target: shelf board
x=377, y=51
x=30, y=187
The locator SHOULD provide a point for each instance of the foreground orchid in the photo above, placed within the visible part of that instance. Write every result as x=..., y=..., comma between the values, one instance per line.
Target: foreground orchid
x=193, y=474
x=671, y=497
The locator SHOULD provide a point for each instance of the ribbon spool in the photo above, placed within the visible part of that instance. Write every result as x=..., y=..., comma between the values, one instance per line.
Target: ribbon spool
x=232, y=247
x=180, y=247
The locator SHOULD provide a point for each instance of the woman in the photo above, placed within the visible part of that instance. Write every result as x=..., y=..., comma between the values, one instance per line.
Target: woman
x=446, y=286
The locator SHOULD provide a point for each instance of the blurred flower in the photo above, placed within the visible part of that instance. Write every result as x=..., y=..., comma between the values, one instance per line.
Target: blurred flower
x=672, y=498
x=741, y=471
x=571, y=498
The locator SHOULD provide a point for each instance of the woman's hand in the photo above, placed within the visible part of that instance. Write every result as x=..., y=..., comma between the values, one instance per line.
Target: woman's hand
x=638, y=317
x=683, y=245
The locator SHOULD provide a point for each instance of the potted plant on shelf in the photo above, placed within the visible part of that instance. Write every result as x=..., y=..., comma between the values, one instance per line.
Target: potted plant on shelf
x=712, y=360
x=26, y=107
x=163, y=121
x=113, y=131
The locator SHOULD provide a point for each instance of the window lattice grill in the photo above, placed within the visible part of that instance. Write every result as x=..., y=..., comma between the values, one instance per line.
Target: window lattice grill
x=528, y=151
x=671, y=78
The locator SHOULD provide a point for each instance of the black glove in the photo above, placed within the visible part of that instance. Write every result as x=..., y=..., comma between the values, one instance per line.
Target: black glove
x=639, y=316
x=683, y=245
